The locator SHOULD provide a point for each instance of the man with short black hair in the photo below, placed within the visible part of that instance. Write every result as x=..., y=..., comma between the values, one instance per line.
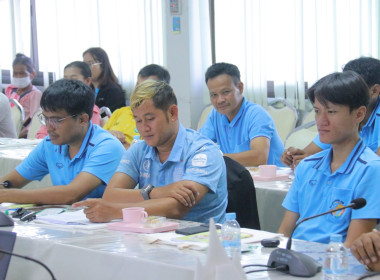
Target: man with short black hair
x=334, y=177
x=80, y=157
x=244, y=131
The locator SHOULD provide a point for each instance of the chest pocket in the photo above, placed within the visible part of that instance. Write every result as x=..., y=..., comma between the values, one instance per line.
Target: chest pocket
x=339, y=198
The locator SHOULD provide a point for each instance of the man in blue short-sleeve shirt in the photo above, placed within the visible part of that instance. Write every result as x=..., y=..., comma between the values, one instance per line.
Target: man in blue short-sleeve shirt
x=334, y=177
x=79, y=156
x=180, y=173
x=369, y=70
x=244, y=131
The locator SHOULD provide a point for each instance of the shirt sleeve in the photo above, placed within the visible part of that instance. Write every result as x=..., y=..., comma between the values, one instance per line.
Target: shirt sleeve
x=34, y=166
x=291, y=202
x=205, y=166
x=130, y=163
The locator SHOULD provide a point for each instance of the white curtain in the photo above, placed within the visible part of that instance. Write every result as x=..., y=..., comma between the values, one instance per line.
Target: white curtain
x=15, y=31
x=291, y=42
x=130, y=31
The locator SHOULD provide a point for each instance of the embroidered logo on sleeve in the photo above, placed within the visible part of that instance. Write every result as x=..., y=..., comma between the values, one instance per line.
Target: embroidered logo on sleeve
x=199, y=160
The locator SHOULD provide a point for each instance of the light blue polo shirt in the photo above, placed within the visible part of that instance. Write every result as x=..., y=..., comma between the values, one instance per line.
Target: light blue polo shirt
x=99, y=155
x=193, y=157
x=250, y=122
x=315, y=190
x=370, y=133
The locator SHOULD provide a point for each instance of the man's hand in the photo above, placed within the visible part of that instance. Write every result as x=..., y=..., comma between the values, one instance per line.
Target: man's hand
x=98, y=210
x=367, y=249
x=292, y=156
x=119, y=135
x=183, y=191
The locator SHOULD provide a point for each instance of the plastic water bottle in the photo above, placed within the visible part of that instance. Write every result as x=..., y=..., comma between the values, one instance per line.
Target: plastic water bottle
x=336, y=259
x=135, y=139
x=231, y=236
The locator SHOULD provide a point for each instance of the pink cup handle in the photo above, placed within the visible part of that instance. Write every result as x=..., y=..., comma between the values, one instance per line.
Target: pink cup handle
x=145, y=214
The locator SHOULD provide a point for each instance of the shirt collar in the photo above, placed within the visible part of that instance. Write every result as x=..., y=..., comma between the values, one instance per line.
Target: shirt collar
x=176, y=152
x=323, y=163
x=238, y=115
x=85, y=143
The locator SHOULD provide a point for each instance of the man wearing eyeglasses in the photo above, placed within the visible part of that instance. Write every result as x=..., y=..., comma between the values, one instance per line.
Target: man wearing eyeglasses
x=79, y=156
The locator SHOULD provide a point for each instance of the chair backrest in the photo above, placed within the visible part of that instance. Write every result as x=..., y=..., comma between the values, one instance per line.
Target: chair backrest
x=105, y=114
x=7, y=241
x=284, y=115
x=35, y=125
x=206, y=111
x=310, y=117
x=301, y=136
x=241, y=194
x=18, y=114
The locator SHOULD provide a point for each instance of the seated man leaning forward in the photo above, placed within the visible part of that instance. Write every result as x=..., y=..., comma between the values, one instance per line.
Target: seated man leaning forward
x=181, y=174
x=80, y=157
x=334, y=177
x=244, y=130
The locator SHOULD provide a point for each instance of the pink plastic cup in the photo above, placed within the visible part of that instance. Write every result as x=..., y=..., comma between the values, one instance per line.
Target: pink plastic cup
x=267, y=170
x=134, y=215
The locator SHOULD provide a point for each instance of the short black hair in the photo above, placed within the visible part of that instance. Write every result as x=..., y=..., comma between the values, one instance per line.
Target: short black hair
x=155, y=70
x=84, y=68
x=71, y=95
x=223, y=68
x=367, y=67
x=341, y=88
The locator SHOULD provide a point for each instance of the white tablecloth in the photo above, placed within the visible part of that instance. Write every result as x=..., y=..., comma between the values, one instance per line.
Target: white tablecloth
x=104, y=254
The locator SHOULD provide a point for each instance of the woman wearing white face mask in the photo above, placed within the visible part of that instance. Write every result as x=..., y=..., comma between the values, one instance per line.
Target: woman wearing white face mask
x=22, y=89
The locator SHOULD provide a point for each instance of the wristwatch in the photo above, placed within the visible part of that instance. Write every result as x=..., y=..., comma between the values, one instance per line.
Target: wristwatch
x=145, y=191
x=6, y=184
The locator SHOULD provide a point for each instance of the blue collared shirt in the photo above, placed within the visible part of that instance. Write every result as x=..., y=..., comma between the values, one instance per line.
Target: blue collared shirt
x=250, y=122
x=193, y=157
x=99, y=155
x=316, y=190
x=370, y=133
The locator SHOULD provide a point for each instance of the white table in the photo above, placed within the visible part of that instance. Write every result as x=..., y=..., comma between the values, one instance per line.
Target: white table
x=13, y=152
x=104, y=254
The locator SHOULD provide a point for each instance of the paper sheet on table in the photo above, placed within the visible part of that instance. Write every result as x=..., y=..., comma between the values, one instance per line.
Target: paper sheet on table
x=172, y=238
x=73, y=219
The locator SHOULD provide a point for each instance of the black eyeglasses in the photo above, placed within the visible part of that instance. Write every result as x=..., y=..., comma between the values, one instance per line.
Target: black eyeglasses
x=54, y=122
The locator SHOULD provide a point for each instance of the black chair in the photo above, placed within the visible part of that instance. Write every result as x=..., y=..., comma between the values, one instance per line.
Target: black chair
x=241, y=194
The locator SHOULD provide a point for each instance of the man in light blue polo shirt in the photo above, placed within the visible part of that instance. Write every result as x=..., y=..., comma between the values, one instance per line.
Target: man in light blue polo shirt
x=369, y=70
x=181, y=174
x=334, y=177
x=244, y=131
x=79, y=156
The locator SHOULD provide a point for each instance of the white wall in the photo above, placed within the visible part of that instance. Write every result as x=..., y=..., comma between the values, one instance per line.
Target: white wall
x=187, y=56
